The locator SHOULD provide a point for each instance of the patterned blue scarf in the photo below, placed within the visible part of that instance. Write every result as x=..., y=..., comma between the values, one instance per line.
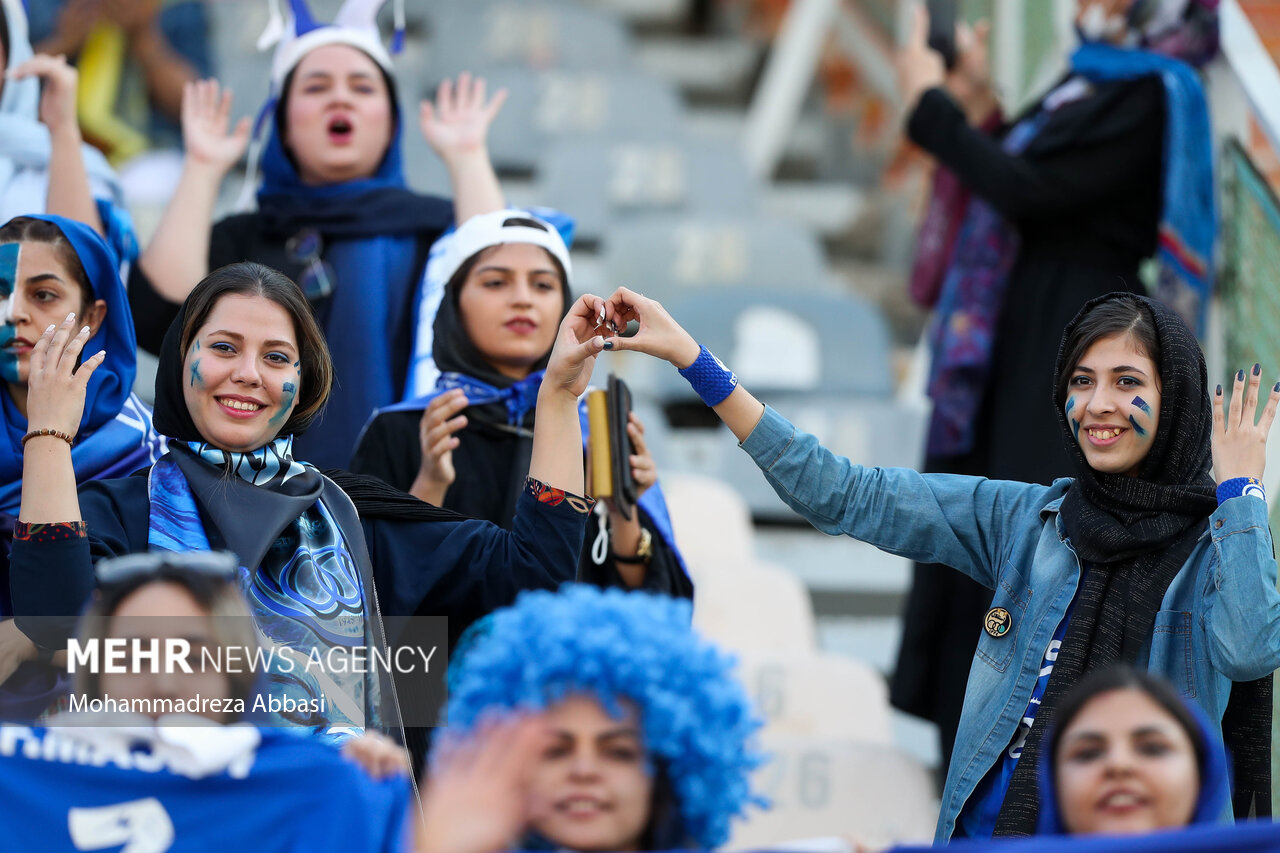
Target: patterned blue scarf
x=306, y=594
x=1189, y=220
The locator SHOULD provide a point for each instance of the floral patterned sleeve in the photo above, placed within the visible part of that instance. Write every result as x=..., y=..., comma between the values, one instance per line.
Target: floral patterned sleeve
x=57, y=531
x=552, y=496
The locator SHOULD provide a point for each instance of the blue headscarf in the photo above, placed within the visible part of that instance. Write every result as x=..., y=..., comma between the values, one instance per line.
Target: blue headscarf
x=371, y=230
x=115, y=436
x=1189, y=219
x=1212, y=803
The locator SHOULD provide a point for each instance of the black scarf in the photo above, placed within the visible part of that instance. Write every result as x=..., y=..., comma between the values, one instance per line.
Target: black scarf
x=1132, y=535
x=171, y=418
x=453, y=351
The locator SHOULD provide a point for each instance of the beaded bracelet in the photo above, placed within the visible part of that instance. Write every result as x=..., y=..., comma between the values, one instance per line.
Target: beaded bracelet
x=36, y=433
x=711, y=380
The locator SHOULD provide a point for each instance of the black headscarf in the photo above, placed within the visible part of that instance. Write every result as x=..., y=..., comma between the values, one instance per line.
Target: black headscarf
x=454, y=352
x=1132, y=534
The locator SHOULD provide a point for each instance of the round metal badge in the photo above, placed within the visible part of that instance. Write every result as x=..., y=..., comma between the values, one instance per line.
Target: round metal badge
x=998, y=622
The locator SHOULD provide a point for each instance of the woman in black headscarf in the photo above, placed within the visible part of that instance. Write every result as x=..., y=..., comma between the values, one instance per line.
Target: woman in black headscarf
x=505, y=280
x=324, y=560
x=1136, y=559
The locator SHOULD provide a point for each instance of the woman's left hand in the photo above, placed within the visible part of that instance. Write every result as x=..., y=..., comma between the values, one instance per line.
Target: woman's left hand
x=458, y=122
x=578, y=343
x=920, y=67
x=15, y=648
x=378, y=754
x=58, y=95
x=643, y=469
x=1239, y=445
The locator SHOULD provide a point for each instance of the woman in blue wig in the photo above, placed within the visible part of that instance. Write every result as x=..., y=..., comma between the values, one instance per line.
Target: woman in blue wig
x=334, y=210
x=647, y=737
x=324, y=560
x=50, y=267
x=1029, y=219
x=504, y=277
x=45, y=166
x=1129, y=756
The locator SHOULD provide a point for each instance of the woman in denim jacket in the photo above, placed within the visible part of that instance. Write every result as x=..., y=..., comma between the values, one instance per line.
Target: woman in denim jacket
x=1137, y=559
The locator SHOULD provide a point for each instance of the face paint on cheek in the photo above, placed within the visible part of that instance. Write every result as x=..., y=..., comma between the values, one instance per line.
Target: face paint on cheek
x=8, y=275
x=1075, y=424
x=289, y=394
x=1145, y=408
x=196, y=380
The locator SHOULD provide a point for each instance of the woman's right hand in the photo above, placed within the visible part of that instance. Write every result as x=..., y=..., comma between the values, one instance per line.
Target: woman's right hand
x=56, y=387
x=436, y=429
x=206, y=133
x=659, y=335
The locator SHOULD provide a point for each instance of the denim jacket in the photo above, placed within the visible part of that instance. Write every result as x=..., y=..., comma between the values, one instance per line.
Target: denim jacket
x=1219, y=621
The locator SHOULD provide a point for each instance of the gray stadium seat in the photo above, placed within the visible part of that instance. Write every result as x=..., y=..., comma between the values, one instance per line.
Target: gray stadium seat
x=547, y=105
x=538, y=34
x=820, y=359
x=666, y=256
x=607, y=181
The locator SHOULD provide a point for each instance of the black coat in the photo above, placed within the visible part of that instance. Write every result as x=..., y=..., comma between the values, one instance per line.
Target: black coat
x=491, y=463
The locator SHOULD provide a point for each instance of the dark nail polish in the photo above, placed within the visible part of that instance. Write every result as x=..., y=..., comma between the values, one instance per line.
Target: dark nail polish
x=608, y=344
x=1239, y=375
x=1277, y=388
x=1257, y=368
x=1220, y=389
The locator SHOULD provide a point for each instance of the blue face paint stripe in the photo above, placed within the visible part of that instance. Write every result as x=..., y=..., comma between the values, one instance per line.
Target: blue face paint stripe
x=1143, y=405
x=1137, y=427
x=1075, y=424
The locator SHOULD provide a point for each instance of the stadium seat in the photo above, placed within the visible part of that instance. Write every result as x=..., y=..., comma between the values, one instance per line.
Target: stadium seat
x=666, y=256
x=711, y=523
x=819, y=695
x=755, y=607
x=607, y=180
x=821, y=786
x=537, y=34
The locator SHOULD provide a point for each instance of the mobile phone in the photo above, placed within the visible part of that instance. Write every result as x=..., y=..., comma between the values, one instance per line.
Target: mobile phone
x=610, y=446
x=624, y=485
x=942, y=29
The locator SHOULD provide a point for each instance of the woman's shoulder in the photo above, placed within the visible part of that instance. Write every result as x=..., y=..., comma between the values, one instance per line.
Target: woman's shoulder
x=127, y=493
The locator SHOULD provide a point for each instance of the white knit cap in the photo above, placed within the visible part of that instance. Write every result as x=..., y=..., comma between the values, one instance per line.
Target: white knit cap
x=497, y=228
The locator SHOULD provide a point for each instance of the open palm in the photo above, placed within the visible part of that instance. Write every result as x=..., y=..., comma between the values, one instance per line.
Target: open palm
x=206, y=126
x=459, y=119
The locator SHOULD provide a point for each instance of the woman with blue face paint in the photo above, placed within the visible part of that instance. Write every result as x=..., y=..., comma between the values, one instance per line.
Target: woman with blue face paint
x=324, y=559
x=334, y=209
x=50, y=267
x=1139, y=558
x=1031, y=216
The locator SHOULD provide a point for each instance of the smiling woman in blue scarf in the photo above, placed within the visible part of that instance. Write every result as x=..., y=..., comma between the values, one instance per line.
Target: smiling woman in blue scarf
x=334, y=210
x=1029, y=219
x=329, y=563
x=50, y=267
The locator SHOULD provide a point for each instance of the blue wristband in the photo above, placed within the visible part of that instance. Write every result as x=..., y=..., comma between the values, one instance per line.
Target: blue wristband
x=711, y=380
x=1241, y=486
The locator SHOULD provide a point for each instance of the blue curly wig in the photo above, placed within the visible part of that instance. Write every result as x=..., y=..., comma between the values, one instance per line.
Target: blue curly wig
x=696, y=717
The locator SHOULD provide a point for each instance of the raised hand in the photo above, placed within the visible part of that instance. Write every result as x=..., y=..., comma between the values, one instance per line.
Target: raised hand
x=578, y=343
x=919, y=66
x=56, y=388
x=659, y=336
x=58, y=93
x=1239, y=445
x=458, y=122
x=436, y=429
x=478, y=799
x=379, y=755
x=207, y=134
